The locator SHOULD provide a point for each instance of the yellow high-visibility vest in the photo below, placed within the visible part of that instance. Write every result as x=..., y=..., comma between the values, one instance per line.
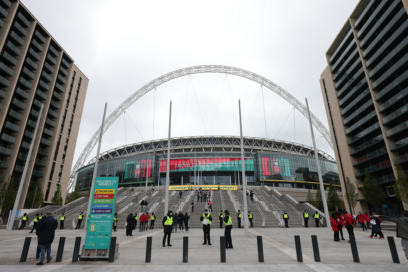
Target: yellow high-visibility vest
x=229, y=223
x=62, y=218
x=220, y=215
x=153, y=217
x=169, y=221
x=285, y=215
x=306, y=215
x=250, y=215
x=115, y=218
x=80, y=216
x=25, y=218
x=136, y=217
x=40, y=217
x=36, y=219
x=317, y=216
x=208, y=217
x=239, y=215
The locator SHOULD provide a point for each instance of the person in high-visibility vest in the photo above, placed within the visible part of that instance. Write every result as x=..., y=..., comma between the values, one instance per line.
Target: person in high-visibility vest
x=286, y=218
x=152, y=219
x=317, y=219
x=250, y=217
x=80, y=217
x=40, y=217
x=206, y=219
x=227, y=231
x=167, y=226
x=62, y=220
x=35, y=223
x=23, y=221
x=239, y=218
x=136, y=217
x=115, y=221
x=221, y=217
x=306, y=218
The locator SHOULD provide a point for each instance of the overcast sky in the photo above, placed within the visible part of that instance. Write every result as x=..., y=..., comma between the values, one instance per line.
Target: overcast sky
x=122, y=45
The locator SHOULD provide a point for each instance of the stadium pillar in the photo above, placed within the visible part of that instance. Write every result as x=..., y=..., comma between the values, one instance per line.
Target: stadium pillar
x=166, y=199
x=195, y=163
x=243, y=170
x=96, y=168
x=147, y=175
x=21, y=185
x=319, y=172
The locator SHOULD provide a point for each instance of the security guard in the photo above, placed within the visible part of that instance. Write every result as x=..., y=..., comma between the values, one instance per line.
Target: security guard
x=167, y=226
x=250, y=217
x=221, y=217
x=228, y=227
x=62, y=220
x=286, y=218
x=206, y=226
x=115, y=221
x=152, y=219
x=35, y=223
x=153, y=188
x=40, y=217
x=317, y=219
x=136, y=217
x=306, y=218
x=23, y=221
x=80, y=217
x=239, y=218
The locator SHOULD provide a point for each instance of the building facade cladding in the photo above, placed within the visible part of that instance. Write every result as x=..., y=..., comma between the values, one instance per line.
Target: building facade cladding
x=35, y=70
x=273, y=169
x=365, y=91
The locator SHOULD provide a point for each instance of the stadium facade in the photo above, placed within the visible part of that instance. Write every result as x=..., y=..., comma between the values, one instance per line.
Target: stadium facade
x=216, y=160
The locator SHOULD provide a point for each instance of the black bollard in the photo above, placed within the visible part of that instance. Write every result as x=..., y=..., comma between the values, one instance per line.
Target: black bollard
x=298, y=249
x=112, y=249
x=185, y=249
x=60, y=249
x=148, y=249
x=76, y=249
x=260, y=249
x=393, y=249
x=315, y=248
x=354, y=250
x=222, y=249
x=26, y=247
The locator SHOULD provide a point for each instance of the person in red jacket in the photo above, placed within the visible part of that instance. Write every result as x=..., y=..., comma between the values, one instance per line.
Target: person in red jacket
x=146, y=220
x=340, y=221
x=361, y=219
x=335, y=227
x=350, y=224
x=367, y=220
x=142, y=221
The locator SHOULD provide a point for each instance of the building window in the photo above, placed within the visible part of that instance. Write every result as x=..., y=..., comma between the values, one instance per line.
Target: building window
x=76, y=96
x=70, y=89
x=47, y=193
x=57, y=147
x=70, y=125
x=65, y=151
x=63, y=121
x=52, y=170
x=60, y=173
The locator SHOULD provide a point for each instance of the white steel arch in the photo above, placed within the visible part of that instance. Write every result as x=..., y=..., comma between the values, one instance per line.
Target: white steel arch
x=189, y=71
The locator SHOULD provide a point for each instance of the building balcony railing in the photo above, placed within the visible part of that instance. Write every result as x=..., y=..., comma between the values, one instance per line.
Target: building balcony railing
x=2, y=94
x=46, y=76
x=37, y=47
x=361, y=122
x=48, y=68
x=344, y=43
x=374, y=168
x=34, y=54
x=399, y=144
x=38, y=174
x=3, y=165
x=46, y=142
x=25, y=145
x=65, y=63
x=5, y=151
x=5, y=4
x=43, y=152
x=390, y=102
x=18, y=168
x=355, y=101
x=31, y=64
x=365, y=132
x=53, y=51
x=40, y=163
x=40, y=37
x=50, y=123
x=22, y=94
x=28, y=73
x=15, y=115
x=48, y=132
x=357, y=112
x=6, y=70
x=9, y=58
x=12, y=49
x=401, y=159
x=24, y=84
x=20, y=29
x=3, y=12
x=59, y=88
x=398, y=113
x=55, y=104
x=397, y=129
x=57, y=96
x=4, y=82
x=350, y=71
x=358, y=76
x=28, y=134
x=37, y=103
x=62, y=80
x=44, y=85
x=370, y=156
x=7, y=138
x=23, y=20
x=51, y=59
x=63, y=71
x=22, y=157
x=13, y=35
x=367, y=144
x=18, y=104
x=41, y=95
x=346, y=63
x=11, y=126
x=378, y=84
x=52, y=113
x=34, y=113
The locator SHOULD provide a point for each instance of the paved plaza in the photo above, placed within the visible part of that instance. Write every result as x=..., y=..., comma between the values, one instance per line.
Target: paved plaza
x=279, y=252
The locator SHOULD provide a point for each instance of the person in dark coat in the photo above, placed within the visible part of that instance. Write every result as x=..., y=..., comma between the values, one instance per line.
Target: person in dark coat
x=46, y=229
x=131, y=223
x=251, y=195
x=186, y=218
x=206, y=226
x=36, y=219
x=167, y=226
x=175, y=221
x=227, y=229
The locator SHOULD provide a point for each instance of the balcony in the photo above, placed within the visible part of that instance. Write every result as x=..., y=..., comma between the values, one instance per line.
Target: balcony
x=37, y=47
x=24, y=83
x=59, y=88
x=396, y=130
x=18, y=104
x=3, y=12
x=53, y=51
x=45, y=142
x=385, y=179
x=34, y=113
x=399, y=96
x=37, y=103
x=31, y=123
x=378, y=84
x=48, y=132
x=391, y=86
x=65, y=63
x=28, y=73
x=350, y=71
x=22, y=94
x=57, y=96
x=6, y=71
x=396, y=114
x=358, y=99
x=34, y=54
x=22, y=19
x=7, y=138
x=351, y=58
x=52, y=114
x=399, y=144
x=20, y=29
x=401, y=159
x=19, y=41
x=40, y=163
x=18, y=168
x=46, y=77
x=11, y=61
x=51, y=59
x=63, y=71
x=12, y=49
x=43, y=152
x=345, y=42
x=44, y=85
x=370, y=156
x=373, y=168
x=50, y=123
x=1, y=23
x=15, y=115
x=365, y=27
x=55, y=104
x=38, y=174
x=3, y=165
x=61, y=79
x=40, y=37
x=30, y=63
x=25, y=145
x=5, y=151
x=28, y=134
x=48, y=68
x=365, y=132
x=14, y=128
x=361, y=122
x=41, y=95
x=4, y=82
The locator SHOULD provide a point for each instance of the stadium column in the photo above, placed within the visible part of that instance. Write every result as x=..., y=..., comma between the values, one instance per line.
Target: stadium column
x=166, y=199
x=243, y=170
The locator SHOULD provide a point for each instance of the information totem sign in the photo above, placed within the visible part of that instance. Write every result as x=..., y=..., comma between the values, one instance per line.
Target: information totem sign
x=98, y=233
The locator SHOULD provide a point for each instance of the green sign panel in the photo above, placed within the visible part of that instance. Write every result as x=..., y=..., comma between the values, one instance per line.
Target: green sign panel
x=98, y=234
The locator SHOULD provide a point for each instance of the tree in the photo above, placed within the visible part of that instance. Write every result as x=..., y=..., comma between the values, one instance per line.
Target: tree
x=401, y=185
x=341, y=205
x=372, y=192
x=351, y=195
x=75, y=194
x=319, y=201
x=333, y=198
x=36, y=197
x=8, y=195
x=57, y=198
x=310, y=198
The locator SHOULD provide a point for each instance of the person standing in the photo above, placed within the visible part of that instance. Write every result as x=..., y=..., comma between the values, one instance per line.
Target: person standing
x=181, y=221
x=136, y=218
x=80, y=217
x=367, y=220
x=62, y=220
x=131, y=222
x=23, y=221
x=186, y=218
x=152, y=219
x=247, y=193
x=210, y=205
x=167, y=226
x=206, y=219
x=361, y=220
x=40, y=217
x=306, y=218
x=376, y=226
x=146, y=204
x=250, y=217
x=317, y=219
x=221, y=217
x=142, y=220
x=341, y=223
x=35, y=223
x=146, y=221
x=153, y=188
x=251, y=196
x=115, y=221
x=350, y=224
x=46, y=228
x=335, y=228
x=142, y=203
x=181, y=193
x=402, y=230
x=286, y=218
x=228, y=228
x=205, y=197
x=192, y=206
x=175, y=221
x=239, y=218
x=198, y=197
